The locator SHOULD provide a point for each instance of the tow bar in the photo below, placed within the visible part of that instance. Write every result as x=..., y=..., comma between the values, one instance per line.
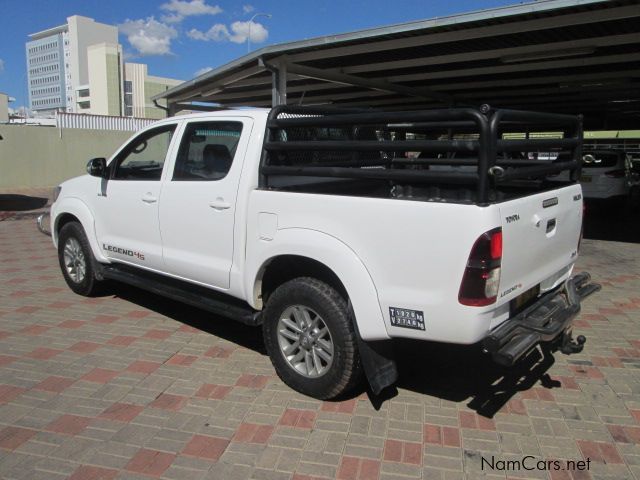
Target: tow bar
x=548, y=320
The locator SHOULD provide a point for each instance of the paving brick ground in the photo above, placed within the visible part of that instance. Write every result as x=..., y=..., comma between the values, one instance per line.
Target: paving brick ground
x=132, y=386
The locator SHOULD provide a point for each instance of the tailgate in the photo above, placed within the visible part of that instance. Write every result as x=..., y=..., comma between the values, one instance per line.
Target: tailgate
x=540, y=240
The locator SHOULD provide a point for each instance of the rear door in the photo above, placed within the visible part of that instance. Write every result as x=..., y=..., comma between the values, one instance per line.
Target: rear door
x=540, y=239
x=198, y=202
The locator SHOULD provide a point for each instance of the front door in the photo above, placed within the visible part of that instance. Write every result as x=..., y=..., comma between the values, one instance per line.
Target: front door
x=198, y=201
x=127, y=205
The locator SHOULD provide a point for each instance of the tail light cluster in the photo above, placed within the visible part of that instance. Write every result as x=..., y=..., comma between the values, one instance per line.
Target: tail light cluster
x=481, y=279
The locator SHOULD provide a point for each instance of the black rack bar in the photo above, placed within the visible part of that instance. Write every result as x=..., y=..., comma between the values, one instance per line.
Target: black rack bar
x=442, y=125
x=416, y=176
x=468, y=162
x=526, y=172
x=374, y=146
x=373, y=118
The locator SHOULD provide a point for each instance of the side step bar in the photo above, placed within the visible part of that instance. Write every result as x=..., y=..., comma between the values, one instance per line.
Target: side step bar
x=195, y=295
x=547, y=320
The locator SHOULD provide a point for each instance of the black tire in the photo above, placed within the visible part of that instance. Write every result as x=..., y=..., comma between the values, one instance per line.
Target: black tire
x=88, y=285
x=345, y=370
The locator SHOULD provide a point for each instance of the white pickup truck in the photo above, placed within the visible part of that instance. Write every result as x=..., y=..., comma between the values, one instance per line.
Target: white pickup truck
x=338, y=231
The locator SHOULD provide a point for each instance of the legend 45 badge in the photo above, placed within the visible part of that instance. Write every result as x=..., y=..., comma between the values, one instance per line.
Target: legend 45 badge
x=405, y=318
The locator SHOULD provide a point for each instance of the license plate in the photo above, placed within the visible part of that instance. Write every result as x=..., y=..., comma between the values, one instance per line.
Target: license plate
x=522, y=300
x=585, y=179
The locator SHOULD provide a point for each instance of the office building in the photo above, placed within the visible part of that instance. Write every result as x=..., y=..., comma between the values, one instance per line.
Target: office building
x=79, y=68
x=57, y=62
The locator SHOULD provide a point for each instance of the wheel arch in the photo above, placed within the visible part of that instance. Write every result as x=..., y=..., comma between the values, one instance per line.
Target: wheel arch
x=283, y=268
x=74, y=210
x=302, y=252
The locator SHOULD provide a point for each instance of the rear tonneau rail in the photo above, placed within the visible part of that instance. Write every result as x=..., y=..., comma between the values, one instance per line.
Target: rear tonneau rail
x=420, y=147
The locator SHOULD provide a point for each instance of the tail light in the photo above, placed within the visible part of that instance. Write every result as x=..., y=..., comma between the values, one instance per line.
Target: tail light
x=615, y=173
x=481, y=279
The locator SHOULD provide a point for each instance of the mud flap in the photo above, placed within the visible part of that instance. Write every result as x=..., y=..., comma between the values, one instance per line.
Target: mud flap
x=378, y=364
x=378, y=360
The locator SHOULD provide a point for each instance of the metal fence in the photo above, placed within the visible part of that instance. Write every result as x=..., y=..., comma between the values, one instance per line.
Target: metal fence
x=101, y=122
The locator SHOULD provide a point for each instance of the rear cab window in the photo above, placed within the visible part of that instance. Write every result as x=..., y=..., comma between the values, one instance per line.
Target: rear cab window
x=207, y=150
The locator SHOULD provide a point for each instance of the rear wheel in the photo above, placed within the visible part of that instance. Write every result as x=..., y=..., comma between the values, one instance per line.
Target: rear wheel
x=310, y=338
x=76, y=260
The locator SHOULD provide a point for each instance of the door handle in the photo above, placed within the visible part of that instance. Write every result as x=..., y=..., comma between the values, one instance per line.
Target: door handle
x=551, y=225
x=148, y=198
x=219, y=204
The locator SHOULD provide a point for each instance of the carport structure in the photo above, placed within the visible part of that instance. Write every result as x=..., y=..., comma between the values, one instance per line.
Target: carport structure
x=565, y=56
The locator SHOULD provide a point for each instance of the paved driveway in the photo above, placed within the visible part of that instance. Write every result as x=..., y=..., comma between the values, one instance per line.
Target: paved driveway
x=134, y=386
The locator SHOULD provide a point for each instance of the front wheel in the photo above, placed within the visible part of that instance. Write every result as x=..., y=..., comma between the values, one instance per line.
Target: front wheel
x=76, y=260
x=310, y=338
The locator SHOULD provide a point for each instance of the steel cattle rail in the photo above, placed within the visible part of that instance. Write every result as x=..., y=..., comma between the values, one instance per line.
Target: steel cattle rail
x=323, y=136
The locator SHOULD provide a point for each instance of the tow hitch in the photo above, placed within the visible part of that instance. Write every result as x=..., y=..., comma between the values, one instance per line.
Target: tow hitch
x=570, y=346
x=548, y=320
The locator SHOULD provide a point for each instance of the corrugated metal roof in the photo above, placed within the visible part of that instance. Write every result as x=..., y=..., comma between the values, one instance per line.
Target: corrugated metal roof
x=101, y=122
x=565, y=55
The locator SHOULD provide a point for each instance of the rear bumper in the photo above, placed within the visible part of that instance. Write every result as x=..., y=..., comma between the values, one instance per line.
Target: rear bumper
x=548, y=320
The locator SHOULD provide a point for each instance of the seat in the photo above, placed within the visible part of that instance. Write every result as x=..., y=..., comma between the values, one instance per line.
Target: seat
x=216, y=160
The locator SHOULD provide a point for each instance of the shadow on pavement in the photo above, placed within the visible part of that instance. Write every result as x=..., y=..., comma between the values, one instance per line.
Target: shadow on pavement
x=10, y=202
x=450, y=372
x=235, y=332
x=459, y=373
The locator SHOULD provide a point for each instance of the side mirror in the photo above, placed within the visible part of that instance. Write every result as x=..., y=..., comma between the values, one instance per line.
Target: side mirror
x=97, y=167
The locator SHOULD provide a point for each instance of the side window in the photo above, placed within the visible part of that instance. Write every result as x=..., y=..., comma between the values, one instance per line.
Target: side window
x=207, y=150
x=144, y=157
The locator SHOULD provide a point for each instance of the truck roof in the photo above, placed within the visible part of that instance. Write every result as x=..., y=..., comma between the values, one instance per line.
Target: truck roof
x=246, y=112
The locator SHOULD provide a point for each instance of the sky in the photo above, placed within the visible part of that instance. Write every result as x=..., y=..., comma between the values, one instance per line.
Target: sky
x=183, y=38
